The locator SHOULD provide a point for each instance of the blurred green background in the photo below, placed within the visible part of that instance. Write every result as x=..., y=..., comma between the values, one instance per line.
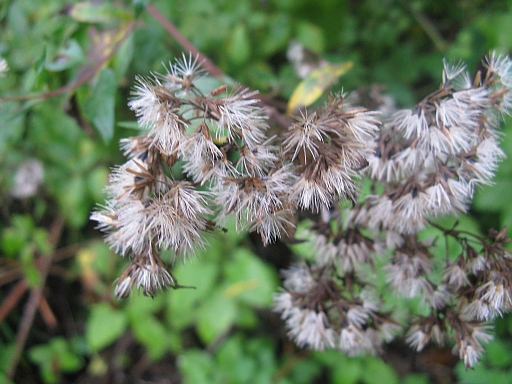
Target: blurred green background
x=223, y=331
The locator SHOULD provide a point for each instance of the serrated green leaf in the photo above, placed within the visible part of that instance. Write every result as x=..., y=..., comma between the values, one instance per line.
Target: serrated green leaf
x=104, y=326
x=313, y=86
x=99, y=108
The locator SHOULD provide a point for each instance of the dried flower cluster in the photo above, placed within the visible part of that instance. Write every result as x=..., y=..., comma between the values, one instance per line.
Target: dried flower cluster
x=421, y=163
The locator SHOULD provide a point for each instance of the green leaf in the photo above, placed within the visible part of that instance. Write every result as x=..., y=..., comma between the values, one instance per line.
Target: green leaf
x=313, y=86
x=99, y=108
x=239, y=46
x=92, y=12
x=139, y=6
x=12, y=117
x=67, y=57
x=54, y=358
x=151, y=333
x=250, y=280
x=311, y=36
x=72, y=196
x=104, y=326
x=481, y=374
x=491, y=198
x=416, y=378
x=140, y=304
x=183, y=303
x=123, y=58
x=497, y=352
x=235, y=361
x=40, y=62
x=215, y=316
x=347, y=371
x=376, y=371
x=197, y=367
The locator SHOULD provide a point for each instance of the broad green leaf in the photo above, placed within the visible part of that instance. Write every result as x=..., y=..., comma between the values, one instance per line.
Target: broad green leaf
x=250, y=280
x=311, y=36
x=313, y=86
x=151, y=333
x=481, y=374
x=99, y=108
x=123, y=58
x=491, y=198
x=93, y=12
x=72, y=196
x=232, y=357
x=215, y=316
x=140, y=304
x=183, y=303
x=345, y=370
x=104, y=326
x=67, y=57
x=376, y=371
x=305, y=372
x=497, y=352
x=197, y=367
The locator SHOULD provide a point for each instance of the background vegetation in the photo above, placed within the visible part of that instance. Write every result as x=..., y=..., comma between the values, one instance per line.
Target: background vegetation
x=64, y=107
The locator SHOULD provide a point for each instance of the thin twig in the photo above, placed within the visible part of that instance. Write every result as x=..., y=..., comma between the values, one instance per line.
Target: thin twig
x=207, y=63
x=12, y=299
x=34, y=299
x=47, y=313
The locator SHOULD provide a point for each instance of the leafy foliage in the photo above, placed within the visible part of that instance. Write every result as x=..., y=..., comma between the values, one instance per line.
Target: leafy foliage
x=63, y=107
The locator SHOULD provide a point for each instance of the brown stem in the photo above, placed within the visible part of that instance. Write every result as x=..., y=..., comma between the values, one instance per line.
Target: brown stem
x=47, y=313
x=12, y=299
x=207, y=63
x=34, y=299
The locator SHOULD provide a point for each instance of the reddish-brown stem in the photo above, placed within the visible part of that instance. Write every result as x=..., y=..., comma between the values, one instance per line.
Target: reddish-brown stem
x=47, y=313
x=34, y=299
x=207, y=63
x=12, y=299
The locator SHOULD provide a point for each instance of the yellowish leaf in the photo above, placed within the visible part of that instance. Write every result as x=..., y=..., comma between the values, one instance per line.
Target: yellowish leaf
x=313, y=86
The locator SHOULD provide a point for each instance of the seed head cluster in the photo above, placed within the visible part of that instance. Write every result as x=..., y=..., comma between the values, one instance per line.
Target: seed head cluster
x=206, y=155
